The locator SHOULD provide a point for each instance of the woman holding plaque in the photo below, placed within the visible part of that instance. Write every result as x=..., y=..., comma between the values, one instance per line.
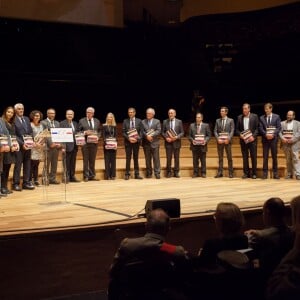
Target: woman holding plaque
x=9, y=158
x=109, y=131
x=37, y=152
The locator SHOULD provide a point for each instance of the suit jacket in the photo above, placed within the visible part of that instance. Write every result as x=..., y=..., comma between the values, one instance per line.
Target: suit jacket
x=65, y=124
x=229, y=127
x=253, y=124
x=22, y=130
x=275, y=121
x=83, y=125
x=156, y=126
x=47, y=125
x=178, y=128
x=126, y=127
x=296, y=135
x=205, y=130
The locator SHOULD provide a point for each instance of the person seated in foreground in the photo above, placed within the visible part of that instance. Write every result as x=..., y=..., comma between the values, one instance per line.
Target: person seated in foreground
x=271, y=243
x=148, y=267
x=284, y=283
x=229, y=221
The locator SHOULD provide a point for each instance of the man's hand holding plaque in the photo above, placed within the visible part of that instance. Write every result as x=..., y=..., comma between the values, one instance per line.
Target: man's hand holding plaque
x=270, y=133
x=223, y=138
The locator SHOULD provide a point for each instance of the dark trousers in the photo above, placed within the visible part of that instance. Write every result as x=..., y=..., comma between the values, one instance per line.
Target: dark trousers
x=34, y=170
x=110, y=157
x=23, y=157
x=132, y=150
x=170, y=152
x=51, y=163
x=152, y=154
x=246, y=149
x=71, y=163
x=199, y=155
x=227, y=148
x=5, y=175
x=267, y=146
x=89, y=153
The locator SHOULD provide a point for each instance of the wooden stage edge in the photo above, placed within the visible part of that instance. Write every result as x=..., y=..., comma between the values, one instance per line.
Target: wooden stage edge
x=119, y=203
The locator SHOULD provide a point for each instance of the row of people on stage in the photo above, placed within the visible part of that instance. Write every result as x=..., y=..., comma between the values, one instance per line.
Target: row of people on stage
x=26, y=141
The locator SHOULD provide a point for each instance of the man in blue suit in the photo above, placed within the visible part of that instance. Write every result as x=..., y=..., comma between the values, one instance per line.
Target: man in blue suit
x=269, y=126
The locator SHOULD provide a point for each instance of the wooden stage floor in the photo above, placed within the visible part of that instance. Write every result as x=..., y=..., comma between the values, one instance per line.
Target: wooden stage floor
x=86, y=204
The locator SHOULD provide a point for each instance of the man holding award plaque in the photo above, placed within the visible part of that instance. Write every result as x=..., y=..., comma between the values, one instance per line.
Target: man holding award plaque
x=199, y=135
x=290, y=144
x=4, y=148
x=172, y=133
x=223, y=132
x=90, y=126
x=247, y=128
x=269, y=127
x=151, y=143
x=24, y=137
x=132, y=132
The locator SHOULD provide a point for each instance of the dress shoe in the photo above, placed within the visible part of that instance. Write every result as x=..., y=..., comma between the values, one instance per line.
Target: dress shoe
x=85, y=179
x=36, y=183
x=74, y=179
x=17, y=188
x=148, y=176
x=219, y=175
x=230, y=175
x=276, y=176
x=203, y=175
x=138, y=177
x=28, y=186
x=113, y=178
x=5, y=191
x=3, y=195
x=245, y=176
x=195, y=176
x=127, y=177
x=254, y=176
x=265, y=176
x=169, y=175
x=94, y=179
x=288, y=177
x=298, y=177
x=176, y=175
x=54, y=182
x=157, y=176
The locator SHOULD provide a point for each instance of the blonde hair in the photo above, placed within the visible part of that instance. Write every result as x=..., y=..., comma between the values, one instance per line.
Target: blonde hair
x=113, y=122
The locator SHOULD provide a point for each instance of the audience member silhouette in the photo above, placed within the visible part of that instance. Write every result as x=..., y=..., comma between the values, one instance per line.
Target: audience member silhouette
x=146, y=267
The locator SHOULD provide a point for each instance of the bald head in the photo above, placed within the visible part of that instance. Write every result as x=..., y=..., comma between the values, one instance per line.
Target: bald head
x=158, y=222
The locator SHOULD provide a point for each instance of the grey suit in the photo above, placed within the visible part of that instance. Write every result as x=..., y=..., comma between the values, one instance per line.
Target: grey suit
x=291, y=150
x=173, y=148
x=151, y=149
x=52, y=153
x=89, y=150
x=199, y=151
x=229, y=128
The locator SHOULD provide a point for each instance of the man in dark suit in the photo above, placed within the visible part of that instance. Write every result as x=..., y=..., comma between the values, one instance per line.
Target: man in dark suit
x=172, y=132
x=23, y=128
x=91, y=129
x=199, y=135
x=223, y=132
x=52, y=147
x=269, y=126
x=4, y=147
x=247, y=126
x=71, y=147
x=132, y=131
x=151, y=143
x=152, y=256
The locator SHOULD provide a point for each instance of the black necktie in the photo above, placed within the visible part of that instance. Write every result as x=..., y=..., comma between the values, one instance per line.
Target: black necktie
x=132, y=124
x=24, y=123
x=269, y=120
x=223, y=124
x=90, y=124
